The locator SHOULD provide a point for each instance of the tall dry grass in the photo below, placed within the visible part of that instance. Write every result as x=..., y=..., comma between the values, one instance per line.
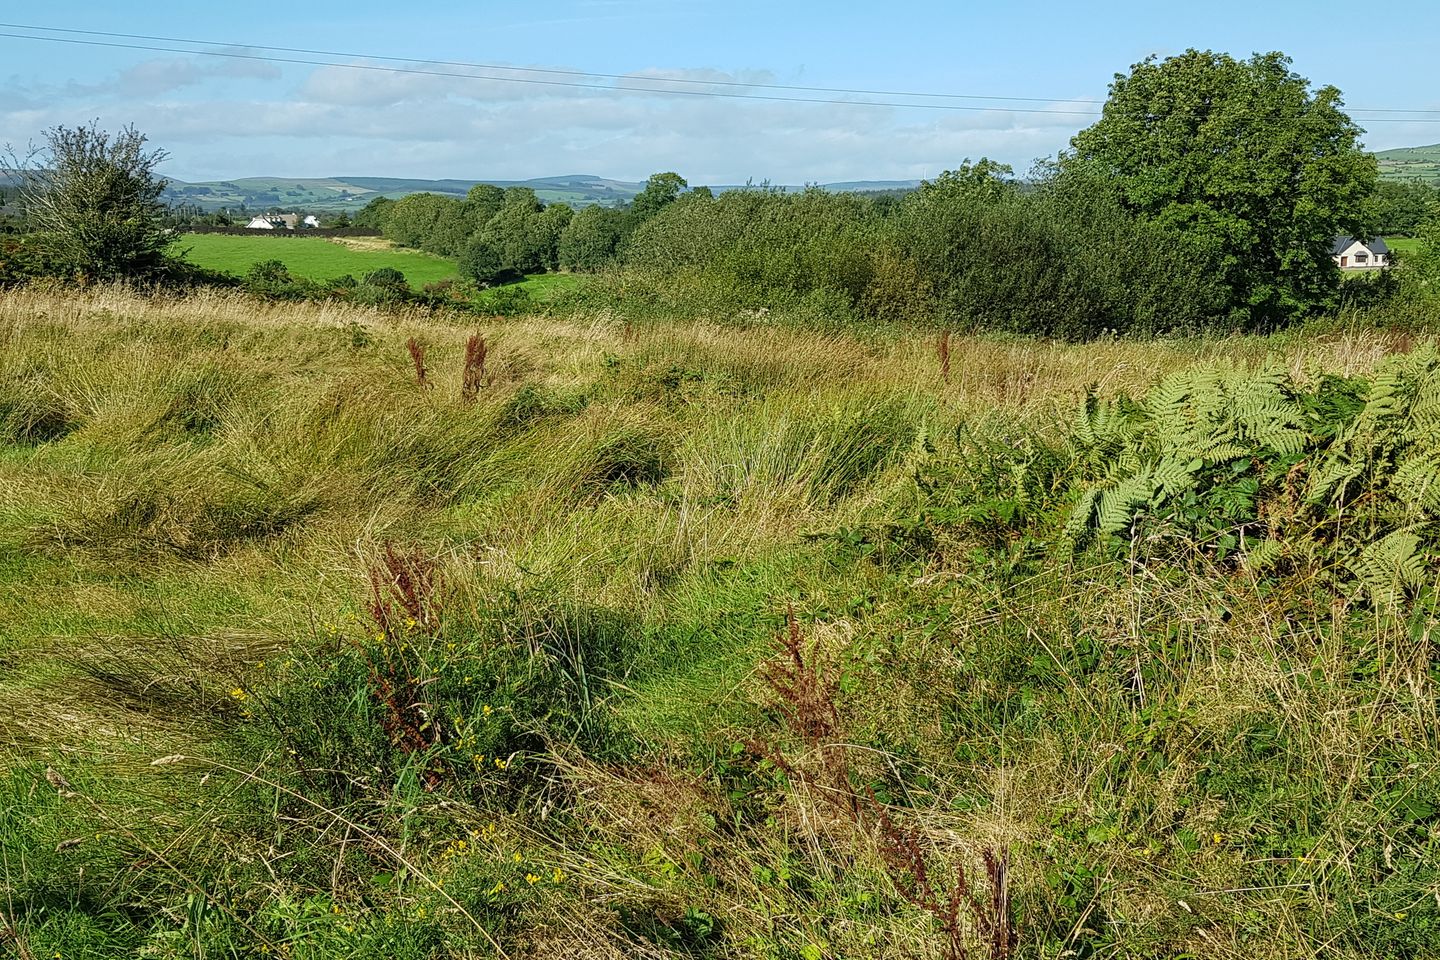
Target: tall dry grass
x=193, y=491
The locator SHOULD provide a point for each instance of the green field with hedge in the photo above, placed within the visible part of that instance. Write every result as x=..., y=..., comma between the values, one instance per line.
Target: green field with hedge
x=313, y=258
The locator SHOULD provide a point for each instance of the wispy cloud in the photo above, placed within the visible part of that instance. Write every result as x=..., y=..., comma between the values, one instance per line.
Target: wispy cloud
x=330, y=120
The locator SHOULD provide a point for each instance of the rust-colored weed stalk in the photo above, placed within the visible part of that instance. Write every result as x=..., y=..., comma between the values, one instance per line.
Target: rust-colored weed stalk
x=904, y=858
x=404, y=588
x=417, y=356
x=942, y=350
x=805, y=697
x=803, y=692
x=473, y=377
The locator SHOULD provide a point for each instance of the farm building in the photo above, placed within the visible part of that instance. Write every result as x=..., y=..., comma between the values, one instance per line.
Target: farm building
x=281, y=221
x=1352, y=254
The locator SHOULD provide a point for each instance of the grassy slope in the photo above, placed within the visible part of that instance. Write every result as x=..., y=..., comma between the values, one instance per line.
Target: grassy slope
x=312, y=257
x=220, y=474
x=1411, y=163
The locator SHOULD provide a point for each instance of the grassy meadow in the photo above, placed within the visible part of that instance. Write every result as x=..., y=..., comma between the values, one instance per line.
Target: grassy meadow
x=314, y=258
x=304, y=657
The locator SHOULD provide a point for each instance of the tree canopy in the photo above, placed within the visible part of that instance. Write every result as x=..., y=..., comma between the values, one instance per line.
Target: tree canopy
x=1244, y=162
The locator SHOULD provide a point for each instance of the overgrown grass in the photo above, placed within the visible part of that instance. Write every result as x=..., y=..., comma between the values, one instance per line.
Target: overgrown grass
x=303, y=658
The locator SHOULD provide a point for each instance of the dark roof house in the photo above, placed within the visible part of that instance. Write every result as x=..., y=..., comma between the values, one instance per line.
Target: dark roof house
x=1351, y=254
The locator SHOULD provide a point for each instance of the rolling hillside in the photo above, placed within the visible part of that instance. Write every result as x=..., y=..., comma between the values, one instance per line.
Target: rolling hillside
x=352, y=193
x=1411, y=163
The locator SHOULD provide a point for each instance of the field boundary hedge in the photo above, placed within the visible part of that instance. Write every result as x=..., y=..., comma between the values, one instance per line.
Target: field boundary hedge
x=307, y=232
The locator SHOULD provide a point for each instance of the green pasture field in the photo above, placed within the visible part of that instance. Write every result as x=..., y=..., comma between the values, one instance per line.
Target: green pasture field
x=548, y=286
x=314, y=258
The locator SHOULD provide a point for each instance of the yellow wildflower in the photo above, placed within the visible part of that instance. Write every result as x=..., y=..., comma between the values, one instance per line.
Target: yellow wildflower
x=239, y=695
x=517, y=857
x=531, y=879
x=558, y=876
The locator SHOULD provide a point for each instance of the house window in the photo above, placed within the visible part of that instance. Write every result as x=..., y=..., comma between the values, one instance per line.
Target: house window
x=1362, y=258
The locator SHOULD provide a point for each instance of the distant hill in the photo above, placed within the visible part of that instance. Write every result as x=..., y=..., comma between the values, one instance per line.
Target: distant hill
x=578, y=190
x=352, y=193
x=1411, y=163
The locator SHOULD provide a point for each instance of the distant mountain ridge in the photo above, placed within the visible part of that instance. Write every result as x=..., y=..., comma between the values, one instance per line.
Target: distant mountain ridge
x=579, y=190
x=352, y=193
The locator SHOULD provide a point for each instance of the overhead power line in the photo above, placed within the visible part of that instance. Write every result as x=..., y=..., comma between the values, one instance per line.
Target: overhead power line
x=231, y=53
x=749, y=84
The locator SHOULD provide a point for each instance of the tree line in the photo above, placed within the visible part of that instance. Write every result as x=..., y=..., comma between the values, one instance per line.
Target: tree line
x=1206, y=197
x=497, y=234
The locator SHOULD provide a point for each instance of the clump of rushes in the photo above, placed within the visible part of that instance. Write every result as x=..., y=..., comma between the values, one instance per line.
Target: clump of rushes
x=474, y=374
x=942, y=350
x=417, y=356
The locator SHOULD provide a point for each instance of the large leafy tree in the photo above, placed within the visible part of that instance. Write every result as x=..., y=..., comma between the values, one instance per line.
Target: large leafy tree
x=516, y=232
x=1250, y=167
x=660, y=191
x=93, y=199
x=591, y=239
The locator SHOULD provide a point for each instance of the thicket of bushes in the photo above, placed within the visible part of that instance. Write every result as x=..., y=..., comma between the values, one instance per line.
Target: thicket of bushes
x=970, y=250
x=498, y=235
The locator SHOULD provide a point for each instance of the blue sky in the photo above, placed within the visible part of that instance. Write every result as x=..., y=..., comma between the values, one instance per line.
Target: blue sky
x=222, y=118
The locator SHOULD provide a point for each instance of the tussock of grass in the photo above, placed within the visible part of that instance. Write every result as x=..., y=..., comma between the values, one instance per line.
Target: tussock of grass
x=1181, y=753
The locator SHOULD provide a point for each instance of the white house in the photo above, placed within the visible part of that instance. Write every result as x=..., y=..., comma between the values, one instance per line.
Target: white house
x=1352, y=254
x=310, y=221
x=279, y=221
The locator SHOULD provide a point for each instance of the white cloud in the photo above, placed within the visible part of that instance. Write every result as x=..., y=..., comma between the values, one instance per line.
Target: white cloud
x=339, y=121
x=154, y=77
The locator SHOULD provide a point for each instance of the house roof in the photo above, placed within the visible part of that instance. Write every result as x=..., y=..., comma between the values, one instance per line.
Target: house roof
x=1343, y=243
